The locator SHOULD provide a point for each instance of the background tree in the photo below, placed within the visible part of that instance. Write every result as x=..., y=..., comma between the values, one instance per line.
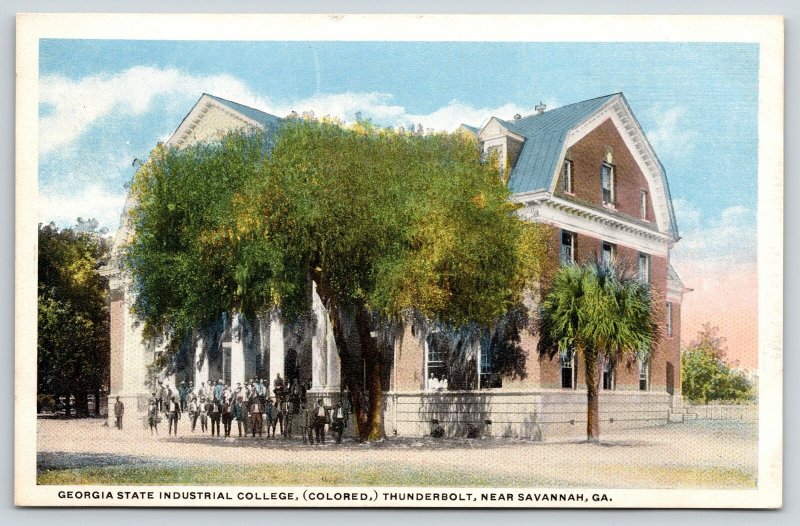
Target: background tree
x=73, y=330
x=705, y=375
x=597, y=311
x=384, y=224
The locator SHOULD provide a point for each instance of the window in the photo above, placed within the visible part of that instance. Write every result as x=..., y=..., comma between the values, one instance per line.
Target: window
x=566, y=173
x=436, y=361
x=567, y=247
x=643, y=206
x=608, y=375
x=488, y=376
x=568, y=370
x=644, y=268
x=608, y=254
x=669, y=320
x=644, y=376
x=607, y=182
x=226, y=363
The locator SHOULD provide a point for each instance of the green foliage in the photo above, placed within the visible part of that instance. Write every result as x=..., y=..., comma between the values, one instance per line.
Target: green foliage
x=598, y=309
x=705, y=377
x=386, y=221
x=73, y=331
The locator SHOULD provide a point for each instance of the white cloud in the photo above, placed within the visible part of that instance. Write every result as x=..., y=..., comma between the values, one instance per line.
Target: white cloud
x=726, y=240
x=89, y=202
x=73, y=106
x=671, y=136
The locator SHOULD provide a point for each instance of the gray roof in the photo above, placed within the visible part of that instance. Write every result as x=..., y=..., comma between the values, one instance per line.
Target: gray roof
x=545, y=134
x=268, y=121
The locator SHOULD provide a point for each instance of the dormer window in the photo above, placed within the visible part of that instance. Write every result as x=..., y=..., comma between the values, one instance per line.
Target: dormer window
x=607, y=183
x=566, y=175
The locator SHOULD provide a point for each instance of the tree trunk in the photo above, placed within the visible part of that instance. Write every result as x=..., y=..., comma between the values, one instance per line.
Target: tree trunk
x=357, y=349
x=592, y=399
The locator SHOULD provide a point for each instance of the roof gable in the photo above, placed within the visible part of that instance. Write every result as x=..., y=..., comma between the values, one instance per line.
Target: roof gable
x=547, y=136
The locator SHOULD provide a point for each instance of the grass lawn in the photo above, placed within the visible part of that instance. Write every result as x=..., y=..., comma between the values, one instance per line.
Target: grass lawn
x=375, y=475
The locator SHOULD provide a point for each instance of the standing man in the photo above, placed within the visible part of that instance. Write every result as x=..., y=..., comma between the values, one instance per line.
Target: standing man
x=173, y=414
x=306, y=423
x=203, y=410
x=338, y=421
x=182, y=395
x=269, y=416
x=119, y=410
x=257, y=414
x=320, y=419
x=194, y=412
x=201, y=391
x=165, y=397
x=152, y=414
x=279, y=387
x=214, y=411
x=288, y=414
x=227, y=416
x=240, y=414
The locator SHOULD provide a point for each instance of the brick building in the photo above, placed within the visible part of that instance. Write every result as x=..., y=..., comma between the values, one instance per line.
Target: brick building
x=586, y=170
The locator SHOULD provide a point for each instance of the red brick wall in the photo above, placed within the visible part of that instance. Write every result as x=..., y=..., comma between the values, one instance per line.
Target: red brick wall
x=587, y=156
x=409, y=363
x=545, y=372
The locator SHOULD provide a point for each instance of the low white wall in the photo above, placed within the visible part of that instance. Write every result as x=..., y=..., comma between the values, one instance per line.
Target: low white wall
x=747, y=412
x=540, y=414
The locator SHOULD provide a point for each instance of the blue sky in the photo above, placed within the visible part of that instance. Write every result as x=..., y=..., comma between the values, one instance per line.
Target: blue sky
x=104, y=103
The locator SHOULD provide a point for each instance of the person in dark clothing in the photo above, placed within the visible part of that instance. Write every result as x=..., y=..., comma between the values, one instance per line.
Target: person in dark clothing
x=240, y=414
x=152, y=414
x=339, y=421
x=214, y=412
x=227, y=416
x=119, y=411
x=257, y=414
x=173, y=414
x=320, y=419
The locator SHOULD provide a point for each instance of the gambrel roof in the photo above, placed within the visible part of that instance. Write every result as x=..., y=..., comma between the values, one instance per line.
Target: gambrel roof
x=546, y=136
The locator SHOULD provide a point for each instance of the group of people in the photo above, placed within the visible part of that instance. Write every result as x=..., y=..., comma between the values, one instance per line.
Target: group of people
x=250, y=406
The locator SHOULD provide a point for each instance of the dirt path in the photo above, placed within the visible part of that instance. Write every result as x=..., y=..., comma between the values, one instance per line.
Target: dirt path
x=700, y=453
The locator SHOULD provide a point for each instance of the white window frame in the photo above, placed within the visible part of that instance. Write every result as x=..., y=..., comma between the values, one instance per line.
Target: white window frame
x=428, y=361
x=571, y=247
x=644, y=375
x=608, y=369
x=573, y=374
x=566, y=172
x=611, y=252
x=611, y=183
x=643, y=205
x=668, y=322
x=646, y=276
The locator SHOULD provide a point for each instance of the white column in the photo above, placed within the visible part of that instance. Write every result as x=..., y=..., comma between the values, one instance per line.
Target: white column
x=276, y=349
x=319, y=352
x=334, y=366
x=237, y=362
x=201, y=372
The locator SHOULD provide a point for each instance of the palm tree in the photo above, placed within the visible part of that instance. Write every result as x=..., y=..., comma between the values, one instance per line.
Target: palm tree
x=597, y=310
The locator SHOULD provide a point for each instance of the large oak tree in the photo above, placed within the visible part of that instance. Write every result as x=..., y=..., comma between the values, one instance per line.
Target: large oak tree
x=384, y=224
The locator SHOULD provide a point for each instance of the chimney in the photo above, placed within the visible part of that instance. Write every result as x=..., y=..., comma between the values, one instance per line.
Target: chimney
x=540, y=108
x=517, y=116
